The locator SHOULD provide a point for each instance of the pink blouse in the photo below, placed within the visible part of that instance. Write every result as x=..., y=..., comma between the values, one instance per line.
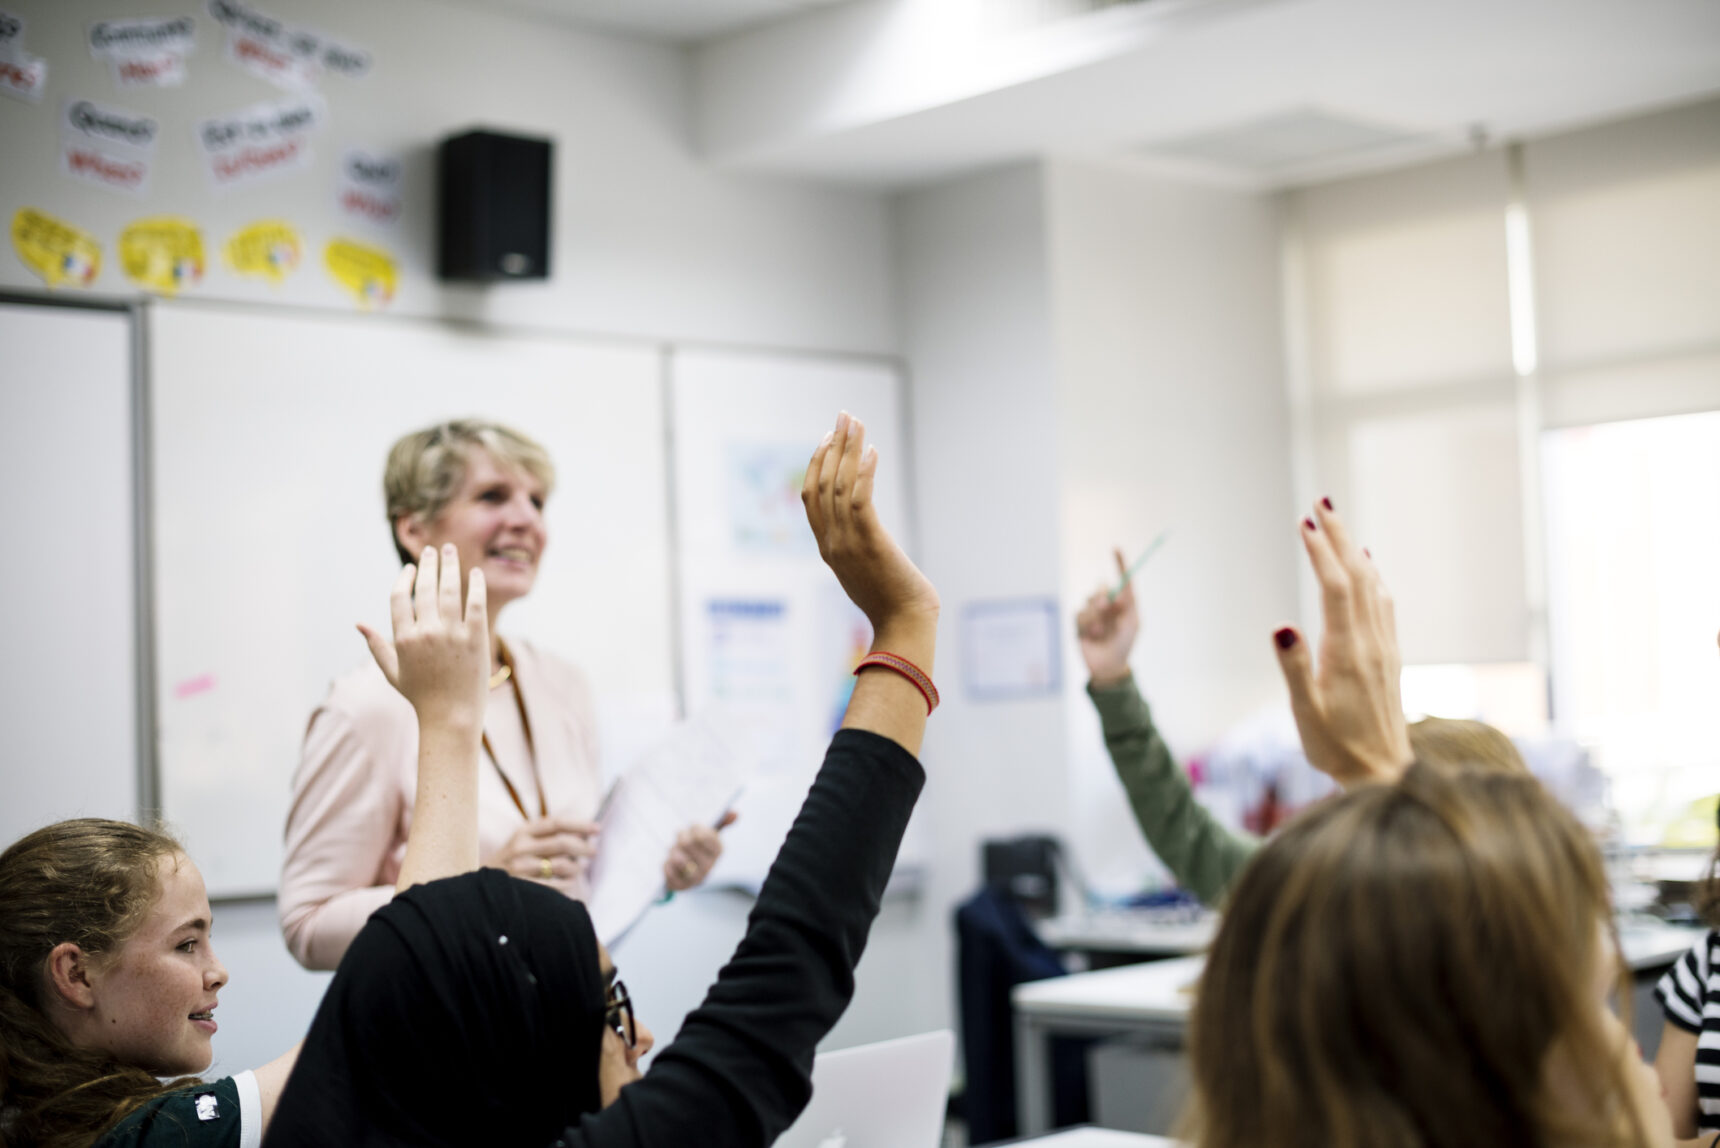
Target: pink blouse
x=358, y=777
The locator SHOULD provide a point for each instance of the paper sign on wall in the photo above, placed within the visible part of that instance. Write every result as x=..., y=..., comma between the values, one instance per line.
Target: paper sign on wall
x=369, y=188
x=259, y=142
x=106, y=146
x=163, y=254
x=22, y=76
x=289, y=57
x=269, y=249
x=145, y=52
x=368, y=273
x=11, y=35
x=58, y=252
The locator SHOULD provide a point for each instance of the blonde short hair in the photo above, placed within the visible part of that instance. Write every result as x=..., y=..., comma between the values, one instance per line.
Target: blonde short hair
x=1451, y=744
x=426, y=467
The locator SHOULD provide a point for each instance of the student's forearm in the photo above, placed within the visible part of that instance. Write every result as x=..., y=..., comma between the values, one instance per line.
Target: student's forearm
x=444, y=837
x=886, y=703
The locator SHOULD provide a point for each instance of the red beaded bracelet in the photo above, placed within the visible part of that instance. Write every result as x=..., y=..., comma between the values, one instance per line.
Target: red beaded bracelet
x=908, y=670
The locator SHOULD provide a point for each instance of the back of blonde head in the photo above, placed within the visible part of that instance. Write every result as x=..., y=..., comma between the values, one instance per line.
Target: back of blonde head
x=1396, y=967
x=1454, y=744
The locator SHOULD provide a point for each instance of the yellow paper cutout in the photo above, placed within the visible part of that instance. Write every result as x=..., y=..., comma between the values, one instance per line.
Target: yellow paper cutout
x=55, y=250
x=369, y=273
x=164, y=253
x=269, y=248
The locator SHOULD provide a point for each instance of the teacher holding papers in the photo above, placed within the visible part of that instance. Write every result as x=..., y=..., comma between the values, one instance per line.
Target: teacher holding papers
x=482, y=488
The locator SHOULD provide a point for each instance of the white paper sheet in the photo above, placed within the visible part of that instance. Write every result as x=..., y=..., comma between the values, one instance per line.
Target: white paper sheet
x=692, y=777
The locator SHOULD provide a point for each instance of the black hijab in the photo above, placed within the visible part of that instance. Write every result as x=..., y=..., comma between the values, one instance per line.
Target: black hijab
x=467, y=1011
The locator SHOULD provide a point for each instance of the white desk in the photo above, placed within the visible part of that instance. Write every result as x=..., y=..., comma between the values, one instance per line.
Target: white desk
x=1131, y=932
x=1097, y=1138
x=1649, y=945
x=1152, y=1001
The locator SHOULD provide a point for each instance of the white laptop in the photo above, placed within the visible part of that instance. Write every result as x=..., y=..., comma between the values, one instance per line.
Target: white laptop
x=886, y=1095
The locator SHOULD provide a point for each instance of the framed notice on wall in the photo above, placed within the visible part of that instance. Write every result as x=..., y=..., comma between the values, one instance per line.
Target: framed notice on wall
x=1010, y=649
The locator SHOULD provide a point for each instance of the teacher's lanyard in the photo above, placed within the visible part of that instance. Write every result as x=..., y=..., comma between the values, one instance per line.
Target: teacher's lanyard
x=531, y=749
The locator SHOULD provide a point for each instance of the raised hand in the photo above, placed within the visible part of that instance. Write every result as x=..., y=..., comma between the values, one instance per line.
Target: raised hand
x=875, y=573
x=440, y=656
x=896, y=598
x=1106, y=627
x=1349, y=710
x=440, y=660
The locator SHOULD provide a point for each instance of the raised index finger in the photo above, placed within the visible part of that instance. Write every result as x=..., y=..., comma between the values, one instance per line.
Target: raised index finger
x=844, y=497
x=809, y=486
x=424, y=592
x=1336, y=593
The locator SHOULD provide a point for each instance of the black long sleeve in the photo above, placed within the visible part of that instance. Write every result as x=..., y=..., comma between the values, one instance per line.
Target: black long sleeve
x=740, y=1070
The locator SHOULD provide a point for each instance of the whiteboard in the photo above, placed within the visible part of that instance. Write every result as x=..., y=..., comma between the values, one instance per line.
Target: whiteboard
x=68, y=677
x=271, y=538
x=767, y=637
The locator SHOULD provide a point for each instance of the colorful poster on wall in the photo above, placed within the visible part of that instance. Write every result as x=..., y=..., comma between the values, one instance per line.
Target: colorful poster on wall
x=58, y=252
x=765, y=512
x=259, y=142
x=369, y=274
x=22, y=76
x=289, y=57
x=107, y=146
x=269, y=249
x=145, y=53
x=164, y=254
x=370, y=187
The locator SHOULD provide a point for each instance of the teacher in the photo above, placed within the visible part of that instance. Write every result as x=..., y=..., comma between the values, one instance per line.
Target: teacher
x=482, y=488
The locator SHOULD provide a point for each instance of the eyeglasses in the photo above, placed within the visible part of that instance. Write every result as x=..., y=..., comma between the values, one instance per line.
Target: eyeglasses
x=618, y=1014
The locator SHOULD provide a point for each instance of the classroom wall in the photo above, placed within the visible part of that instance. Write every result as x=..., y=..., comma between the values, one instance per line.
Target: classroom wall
x=648, y=240
x=1171, y=413
x=976, y=328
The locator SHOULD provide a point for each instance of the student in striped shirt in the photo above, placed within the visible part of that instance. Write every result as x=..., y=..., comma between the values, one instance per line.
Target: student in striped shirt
x=1688, y=1062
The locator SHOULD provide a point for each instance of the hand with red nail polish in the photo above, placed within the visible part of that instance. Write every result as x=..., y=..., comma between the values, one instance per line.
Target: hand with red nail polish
x=1348, y=707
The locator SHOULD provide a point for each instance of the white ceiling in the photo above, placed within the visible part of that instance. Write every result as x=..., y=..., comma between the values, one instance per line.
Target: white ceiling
x=677, y=21
x=890, y=93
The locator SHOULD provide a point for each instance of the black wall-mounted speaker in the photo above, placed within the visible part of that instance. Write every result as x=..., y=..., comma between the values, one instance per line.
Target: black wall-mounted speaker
x=493, y=207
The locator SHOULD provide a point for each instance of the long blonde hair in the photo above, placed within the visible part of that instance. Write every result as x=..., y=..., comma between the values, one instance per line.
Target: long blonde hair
x=90, y=882
x=1397, y=966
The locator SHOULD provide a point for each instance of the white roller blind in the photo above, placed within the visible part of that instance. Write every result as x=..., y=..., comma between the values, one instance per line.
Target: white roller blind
x=1437, y=498
x=1627, y=239
x=1406, y=278
x=1411, y=396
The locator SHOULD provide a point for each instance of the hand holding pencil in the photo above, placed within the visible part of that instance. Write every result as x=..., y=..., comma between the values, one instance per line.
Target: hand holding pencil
x=1106, y=627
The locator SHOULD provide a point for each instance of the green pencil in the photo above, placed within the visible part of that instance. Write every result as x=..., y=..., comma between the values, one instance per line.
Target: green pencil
x=1135, y=567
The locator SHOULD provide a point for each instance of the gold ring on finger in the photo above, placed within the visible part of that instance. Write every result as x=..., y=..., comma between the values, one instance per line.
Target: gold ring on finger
x=545, y=869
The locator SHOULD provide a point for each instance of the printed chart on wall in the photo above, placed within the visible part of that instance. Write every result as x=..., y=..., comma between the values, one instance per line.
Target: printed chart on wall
x=768, y=640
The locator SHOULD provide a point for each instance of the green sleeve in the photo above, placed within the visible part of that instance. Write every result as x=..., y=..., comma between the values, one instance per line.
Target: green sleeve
x=1202, y=854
